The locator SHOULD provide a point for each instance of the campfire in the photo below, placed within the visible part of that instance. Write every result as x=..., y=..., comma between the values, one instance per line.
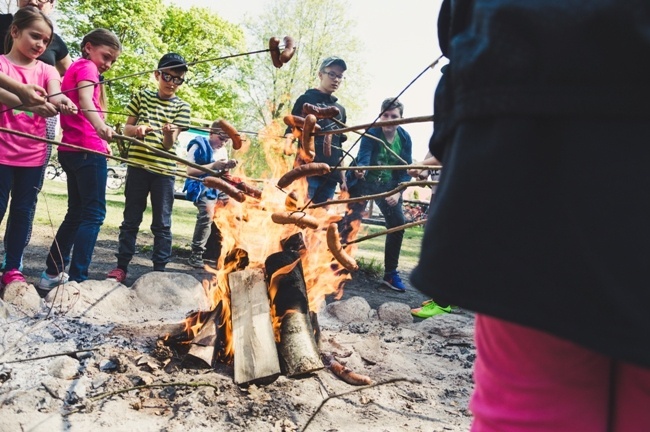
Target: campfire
x=270, y=283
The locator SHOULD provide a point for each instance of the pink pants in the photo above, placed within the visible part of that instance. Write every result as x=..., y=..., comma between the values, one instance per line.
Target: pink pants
x=530, y=381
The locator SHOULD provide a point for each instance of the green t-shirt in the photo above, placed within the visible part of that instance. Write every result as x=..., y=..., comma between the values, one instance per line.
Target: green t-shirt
x=386, y=158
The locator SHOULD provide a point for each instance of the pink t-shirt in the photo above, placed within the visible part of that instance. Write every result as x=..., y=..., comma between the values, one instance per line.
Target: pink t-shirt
x=77, y=129
x=16, y=150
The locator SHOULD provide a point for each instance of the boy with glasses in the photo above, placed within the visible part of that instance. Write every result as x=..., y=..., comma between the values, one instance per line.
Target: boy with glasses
x=210, y=153
x=157, y=118
x=321, y=188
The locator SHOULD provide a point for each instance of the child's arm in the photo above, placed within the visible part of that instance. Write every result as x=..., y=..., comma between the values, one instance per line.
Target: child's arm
x=29, y=94
x=429, y=160
x=11, y=100
x=170, y=134
x=86, y=91
x=139, y=131
x=62, y=102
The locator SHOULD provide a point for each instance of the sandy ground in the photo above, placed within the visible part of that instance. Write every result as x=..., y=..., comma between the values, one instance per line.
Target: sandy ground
x=429, y=361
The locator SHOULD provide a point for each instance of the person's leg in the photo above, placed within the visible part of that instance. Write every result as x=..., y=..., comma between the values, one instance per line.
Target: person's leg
x=23, y=193
x=394, y=216
x=530, y=381
x=136, y=191
x=59, y=256
x=320, y=189
x=162, y=202
x=91, y=183
x=632, y=399
x=353, y=214
x=204, y=215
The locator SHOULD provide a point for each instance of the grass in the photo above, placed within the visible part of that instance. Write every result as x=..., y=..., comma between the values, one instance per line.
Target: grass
x=52, y=206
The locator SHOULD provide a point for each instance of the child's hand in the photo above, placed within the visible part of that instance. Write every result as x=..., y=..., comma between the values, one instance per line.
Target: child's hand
x=359, y=173
x=142, y=130
x=168, y=129
x=232, y=163
x=105, y=132
x=66, y=107
x=31, y=94
x=44, y=110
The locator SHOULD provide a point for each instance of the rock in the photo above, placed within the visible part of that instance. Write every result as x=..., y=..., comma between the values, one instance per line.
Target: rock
x=448, y=325
x=107, y=365
x=395, y=313
x=77, y=390
x=100, y=380
x=64, y=367
x=171, y=291
x=350, y=310
x=23, y=296
x=5, y=312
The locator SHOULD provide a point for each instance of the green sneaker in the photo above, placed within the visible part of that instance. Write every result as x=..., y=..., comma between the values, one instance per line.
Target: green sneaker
x=429, y=309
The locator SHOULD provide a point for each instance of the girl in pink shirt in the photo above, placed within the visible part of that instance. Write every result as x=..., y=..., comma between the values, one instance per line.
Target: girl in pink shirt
x=21, y=158
x=86, y=172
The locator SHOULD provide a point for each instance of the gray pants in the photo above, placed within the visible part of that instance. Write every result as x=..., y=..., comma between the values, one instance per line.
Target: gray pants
x=203, y=222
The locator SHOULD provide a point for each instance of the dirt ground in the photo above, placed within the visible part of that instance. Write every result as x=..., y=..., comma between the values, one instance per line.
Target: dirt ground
x=423, y=368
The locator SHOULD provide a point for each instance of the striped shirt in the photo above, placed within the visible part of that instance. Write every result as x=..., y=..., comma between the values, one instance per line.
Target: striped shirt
x=150, y=110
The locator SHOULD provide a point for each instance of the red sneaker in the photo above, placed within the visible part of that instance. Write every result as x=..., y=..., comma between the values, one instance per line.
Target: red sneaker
x=118, y=274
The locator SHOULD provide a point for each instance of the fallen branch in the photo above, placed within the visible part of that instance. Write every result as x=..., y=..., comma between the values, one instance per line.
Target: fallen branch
x=50, y=355
x=400, y=187
x=338, y=395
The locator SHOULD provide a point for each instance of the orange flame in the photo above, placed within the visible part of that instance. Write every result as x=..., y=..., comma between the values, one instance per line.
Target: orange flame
x=248, y=226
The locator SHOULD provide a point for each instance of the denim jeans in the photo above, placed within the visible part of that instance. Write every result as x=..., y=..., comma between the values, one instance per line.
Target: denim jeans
x=23, y=185
x=320, y=189
x=78, y=232
x=40, y=186
x=393, y=215
x=203, y=221
x=141, y=184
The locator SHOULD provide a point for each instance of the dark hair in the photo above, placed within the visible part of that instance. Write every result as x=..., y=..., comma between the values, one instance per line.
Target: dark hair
x=100, y=37
x=23, y=19
x=391, y=104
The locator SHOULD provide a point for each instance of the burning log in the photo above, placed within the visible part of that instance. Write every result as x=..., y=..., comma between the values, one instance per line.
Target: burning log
x=256, y=355
x=294, y=332
x=204, y=345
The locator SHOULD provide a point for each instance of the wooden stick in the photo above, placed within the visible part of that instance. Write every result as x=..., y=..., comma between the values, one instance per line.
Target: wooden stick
x=400, y=187
x=420, y=119
x=385, y=232
x=386, y=167
x=381, y=141
x=50, y=355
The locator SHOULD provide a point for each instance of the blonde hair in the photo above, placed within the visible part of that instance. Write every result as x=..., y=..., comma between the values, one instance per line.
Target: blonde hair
x=100, y=37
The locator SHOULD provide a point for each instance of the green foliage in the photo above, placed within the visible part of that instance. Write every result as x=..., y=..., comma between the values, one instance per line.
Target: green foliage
x=148, y=29
x=372, y=267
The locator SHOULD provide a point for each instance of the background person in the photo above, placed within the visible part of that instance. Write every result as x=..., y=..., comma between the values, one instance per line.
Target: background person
x=210, y=153
x=330, y=74
x=528, y=113
x=360, y=183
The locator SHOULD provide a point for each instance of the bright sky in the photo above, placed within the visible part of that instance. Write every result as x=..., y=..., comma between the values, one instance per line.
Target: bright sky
x=400, y=42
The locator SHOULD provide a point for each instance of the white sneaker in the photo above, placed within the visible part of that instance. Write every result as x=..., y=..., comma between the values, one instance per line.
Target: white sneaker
x=48, y=282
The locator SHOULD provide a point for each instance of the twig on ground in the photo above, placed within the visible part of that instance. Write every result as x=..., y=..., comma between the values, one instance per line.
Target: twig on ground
x=50, y=355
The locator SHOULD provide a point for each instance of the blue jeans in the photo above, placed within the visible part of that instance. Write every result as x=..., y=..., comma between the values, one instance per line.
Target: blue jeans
x=394, y=216
x=78, y=232
x=320, y=189
x=23, y=184
x=140, y=184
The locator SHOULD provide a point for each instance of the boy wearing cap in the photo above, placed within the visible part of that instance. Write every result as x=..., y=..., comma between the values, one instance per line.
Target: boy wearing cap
x=157, y=118
x=210, y=153
x=330, y=74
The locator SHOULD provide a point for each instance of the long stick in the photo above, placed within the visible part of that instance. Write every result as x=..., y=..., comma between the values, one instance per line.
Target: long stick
x=384, y=232
x=420, y=119
x=400, y=187
x=381, y=141
x=386, y=167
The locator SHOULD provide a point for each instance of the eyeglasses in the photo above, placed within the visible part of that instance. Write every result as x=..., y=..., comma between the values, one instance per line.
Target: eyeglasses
x=221, y=135
x=174, y=79
x=334, y=76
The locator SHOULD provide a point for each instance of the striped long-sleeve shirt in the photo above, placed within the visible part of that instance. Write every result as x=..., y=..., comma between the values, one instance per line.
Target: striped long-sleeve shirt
x=151, y=110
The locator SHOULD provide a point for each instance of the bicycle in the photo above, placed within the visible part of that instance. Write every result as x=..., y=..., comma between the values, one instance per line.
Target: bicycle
x=53, y=170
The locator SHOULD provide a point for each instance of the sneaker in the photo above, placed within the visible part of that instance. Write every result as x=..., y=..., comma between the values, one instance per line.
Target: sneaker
x=118, y=274
x=48, y=282
x=429, y=309
x=393, y=281
x=13, y=275
x=195, y=260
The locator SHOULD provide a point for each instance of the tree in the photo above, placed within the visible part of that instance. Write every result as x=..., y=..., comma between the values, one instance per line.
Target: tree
x=320, y=29
x=148, y=29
